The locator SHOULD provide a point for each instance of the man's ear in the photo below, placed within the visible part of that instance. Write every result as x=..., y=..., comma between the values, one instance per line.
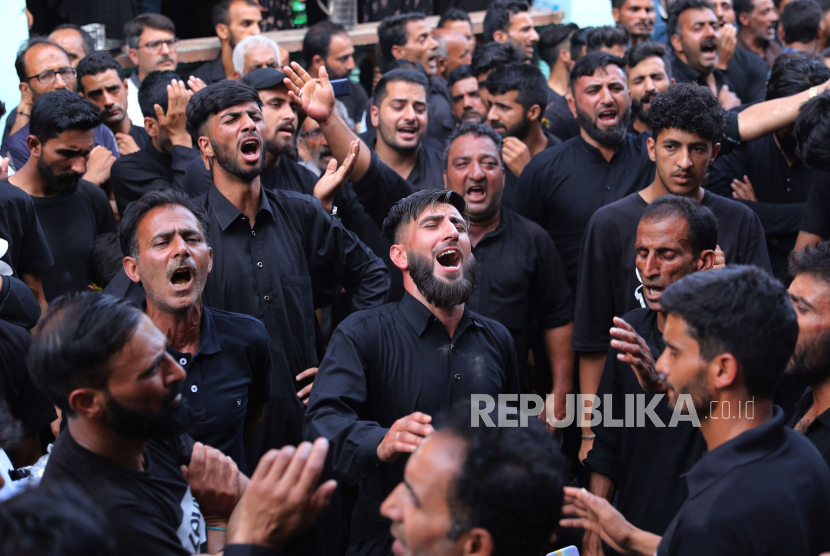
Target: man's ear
x=565, y=56
x=223, y=32
x=615, y=13
x=478, y=542
x=572, y=105
x=207, y=151
x=210, y=260
x=397, y=52
x=317, y=62
x=715, y=151
x=236, y=76
x=88, y=403
x=446, y=185
x=131, y=269
x=534, y=114
x=723, y=371
x=374, y=113
x=132, y=53
x=398, y=257
x=705, y=260
x=35, y=146
x=676, y=43
x=151, y=126
x=743, y=19
x=501, y=36
x=650, y=146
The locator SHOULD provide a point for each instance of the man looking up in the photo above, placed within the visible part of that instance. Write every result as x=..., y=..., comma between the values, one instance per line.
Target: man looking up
x=457, y=20
x=233, y=20
x=800, y=26
x=101, y=81
x=467, y=105
x=757, y=20
x=555, y=50
x=510, y=21
x=649, y=74
x=72, y=211
x=77, y=42
x=453, y=51
x=745, y=71
x=637, y=16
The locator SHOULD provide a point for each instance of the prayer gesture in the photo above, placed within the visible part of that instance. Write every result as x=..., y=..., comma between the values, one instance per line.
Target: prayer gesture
x=329, y=183
x=405, y=435
x=315, y=98
x=173, y=122
x=636, y=353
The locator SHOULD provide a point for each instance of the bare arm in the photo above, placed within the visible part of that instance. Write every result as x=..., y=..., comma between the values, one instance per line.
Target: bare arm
x=764, y=118
x=561, y=357
x=805, y=240
x=591, y=364
x=32, y=279
x=603, y=487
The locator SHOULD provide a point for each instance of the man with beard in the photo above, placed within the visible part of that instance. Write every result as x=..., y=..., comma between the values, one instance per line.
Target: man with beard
x=642, y=466
x=687, y=124
x=233, y=20
x=745, y=71
x=757, y=22
x=810, y=365
x=649, y=73
x=761, y=488
x=768, y=176
x=517, y=95
x=72, y=211
x=467, y=105
x=637, y=16
x=388, y=370
x=105, y=365
x=510, y=21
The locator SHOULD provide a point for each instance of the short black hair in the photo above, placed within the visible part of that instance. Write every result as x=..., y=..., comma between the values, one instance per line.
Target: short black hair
x=814, y=261
x=688, y=107
x=554, y=39
x=590, y=63
x=221, y=12
x=55, y=520
x=456, y=75
x=579, y=40
x=498, y=16
x=740, y=310
x=75, y=342
x=105, y=259
x=137, y=210
x=606, y=36
x=680, y=6
x=800, y=21
x=26, y=46
x=410, y=208
x=492, y=55
x=645, y=50
x=317, y=40
x=153, y=90
x=742, y=6
x=454, y=14
x=526, y=79
x=58, y=111
x=702, y=222
x=213, y=99
x=86, y=38
x=510, y=483
x=404, y=64
x=471, y=128
x=812, y=132
x=96, y=63
x=392, y=32
x=794, y=72
x=394, y=76
x=134, y=28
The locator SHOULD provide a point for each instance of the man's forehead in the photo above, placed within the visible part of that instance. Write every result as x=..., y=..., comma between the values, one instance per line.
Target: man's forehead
x=149, y=33
x=508, y=97
x=415, y=29
x=648, y=65
x=666, y=231
x=105, y=77
x=242, y=10
x=638, y=4
x=435, y=465
x=812, y=288
x=697, y=15
x=166, y=217
x=609, y=74
x=439, y=208
x=681, y=136
x=241, y=107
x=75, y=139
x=40, y=56
x=520, y=18
x=405, y=90
x=465, y=85
x=470, y=144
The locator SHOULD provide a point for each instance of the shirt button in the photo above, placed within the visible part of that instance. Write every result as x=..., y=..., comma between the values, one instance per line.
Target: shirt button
x=183, y=361
x=608, y=188
x=253, y=233
x=194, y=388
x=788, y=189
x=267, y=298
x=259, y=265
x=457, y=377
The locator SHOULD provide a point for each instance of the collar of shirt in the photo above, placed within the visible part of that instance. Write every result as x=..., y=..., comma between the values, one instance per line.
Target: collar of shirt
x=621, y=147
x=504, y=223
x=771, y=51
x=209, y=343
x=420, y=317
x=688, y=74
x=226, y=213
x=134, y=80
x=804, y=404
x=744, y=449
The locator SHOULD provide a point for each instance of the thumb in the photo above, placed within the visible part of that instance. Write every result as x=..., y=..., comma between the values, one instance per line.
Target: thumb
x=332, y=166
x=159, y=112
x=184, y=471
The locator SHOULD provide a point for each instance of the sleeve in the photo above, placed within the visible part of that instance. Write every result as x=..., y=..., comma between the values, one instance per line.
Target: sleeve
x=107, y=139
x=755, y=246
x=24, y=400
x=604, y=457
x=18, y=305
x=139, y=531
x=549, y=291
x=777, y=219
x=260, y=361
x=379, y=189
x=817, y=216
x=34, y=252
x=732, y=136
x=182, y=159
x=16, y=149
x=337, y=402
x=725, y=169
x=129, y=183
x=756, y=79
x=529, y=202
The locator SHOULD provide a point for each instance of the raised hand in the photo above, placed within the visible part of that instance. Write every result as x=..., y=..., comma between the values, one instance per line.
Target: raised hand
x=516, y=155
x=98, y=165
x=405, y=435
x=330, y=182
x=315, y=98
x=636, y=353
x=214, y=481
x=174, y=121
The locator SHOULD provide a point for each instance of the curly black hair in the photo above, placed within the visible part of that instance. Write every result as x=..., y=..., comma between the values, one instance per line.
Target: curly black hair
x=689, y=107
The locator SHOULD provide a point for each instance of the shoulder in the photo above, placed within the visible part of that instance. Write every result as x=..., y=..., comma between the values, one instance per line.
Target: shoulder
x=432, y=153
x=11, y=194
x=374, y=319
x=496, y=329
x=524, y=228
x=728, y=210
x=91, y=193
x=236, y=323
x=130, y=161
x=630, y=205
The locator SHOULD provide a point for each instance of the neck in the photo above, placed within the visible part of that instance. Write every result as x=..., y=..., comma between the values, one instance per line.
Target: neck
x=402, y=163
x=804, y=46
x=661, y=321
x=480, y=228
x=183, y=330
x=755, y=44
x=717, y=430
x=244, y=195
x=449, y=317
x=536, y=140
x=559, y=79
x=607, y=152
x=30, y=180
x=640, y=126
x=821, y=397
x=124, y=126
x=658, y=189
x=272, y=160
x=227, y=60
x=105, y=442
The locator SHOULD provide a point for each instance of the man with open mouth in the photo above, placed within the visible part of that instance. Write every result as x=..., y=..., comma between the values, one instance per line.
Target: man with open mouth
x=757, y=25
x=649, y=74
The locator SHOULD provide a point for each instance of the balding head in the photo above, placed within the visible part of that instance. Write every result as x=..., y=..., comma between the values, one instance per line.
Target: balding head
x=453, y=51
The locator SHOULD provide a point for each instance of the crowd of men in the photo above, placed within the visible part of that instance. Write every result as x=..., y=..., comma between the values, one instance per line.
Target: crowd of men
x=254, y=309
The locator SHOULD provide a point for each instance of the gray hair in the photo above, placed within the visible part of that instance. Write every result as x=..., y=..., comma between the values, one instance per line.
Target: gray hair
x=249, y=43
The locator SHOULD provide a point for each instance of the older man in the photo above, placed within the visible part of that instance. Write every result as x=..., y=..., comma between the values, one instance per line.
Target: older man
x=254, y=52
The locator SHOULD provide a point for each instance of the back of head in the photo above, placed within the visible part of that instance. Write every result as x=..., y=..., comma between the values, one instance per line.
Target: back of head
x=76, y=341
x=243, y=47
x=213, y=99
x=409, y=208
x=59, y=111
x=800, y=21
x=494, y=54
x=813, y=261
x=555, y=38
x=454, y=14
x=687, y=107
x=222, y=11
x=680, y=6
x=26, y=46
x=590, y=63
x=475, y=129
x=134, y=28
x=498, y=16
x=86, y=38
x=703, y=225
x=456, y=75
x=96, y=63
x=395, y=76
x=740, y=310
x=579, y=42
x=794, y=72
x=510, y=483
x=153, y=91
x=105, y=260
x=812, y=132
x=318, y=39
x=607, y=36
x=392, y=32
x=524, y=78
x=644, y=50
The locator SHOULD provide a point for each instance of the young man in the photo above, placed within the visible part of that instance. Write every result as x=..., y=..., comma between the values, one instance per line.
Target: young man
x=510, y=21
x=72, y=211
x=458, y=20
x=233, y=20
x=800, y=26
x=467, y=105
x=555, y=50
x=637, y=16
x=756, y=471
x=453, y=51
x=489, y=57
x=757, y=20
x=608, y=38
x=649, y=74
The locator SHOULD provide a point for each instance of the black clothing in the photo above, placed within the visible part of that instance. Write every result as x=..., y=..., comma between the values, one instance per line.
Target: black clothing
x=211, y=72
x=150, y=511
x=558, y=118
x=71, y=223
x=683, y=73
x=817, y=216
x=511, y=182
x=23, y=247
x=355, y=102
x=646, y=463
x=230, y=374
x=386, y=363
x=609, y=284
x=141, y=137
x=781, y=191
x=133, y=175
x=18, y=305
x=818, y=432
x=746, y=75
x=25, y=402
x=765, y=492
x=519, y=277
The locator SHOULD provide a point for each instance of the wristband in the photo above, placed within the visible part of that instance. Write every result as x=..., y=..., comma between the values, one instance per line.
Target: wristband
x=589, y=437
x=216, y=529
x=813, y=92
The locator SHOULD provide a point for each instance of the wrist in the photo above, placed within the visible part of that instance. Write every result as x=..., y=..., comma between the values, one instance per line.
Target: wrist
x=216, y=521
x=182, y=139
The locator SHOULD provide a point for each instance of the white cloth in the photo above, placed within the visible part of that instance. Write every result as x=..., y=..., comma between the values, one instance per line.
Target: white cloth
x=133, y=108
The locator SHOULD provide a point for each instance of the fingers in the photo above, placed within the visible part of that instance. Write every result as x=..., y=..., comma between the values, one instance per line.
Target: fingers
x=281, y=461
x=305, y=392
x=421, y=417
x=331, y=168
x=622, y=324
x=324, y=76
x=322, y=497
x=197, y=457
x=311, y=467
x=313, y=370
x=301, y=73
x=159, y=113
x=627, y=336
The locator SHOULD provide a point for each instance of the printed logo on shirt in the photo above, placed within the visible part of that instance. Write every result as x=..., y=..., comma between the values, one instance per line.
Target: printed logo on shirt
x=191, y=532
x=5, y=269
x=638, y=291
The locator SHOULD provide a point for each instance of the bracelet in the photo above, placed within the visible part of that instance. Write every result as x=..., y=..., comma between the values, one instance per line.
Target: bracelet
x=589, y=437
x=813, y=92
x=27, y=114
x=217, y=529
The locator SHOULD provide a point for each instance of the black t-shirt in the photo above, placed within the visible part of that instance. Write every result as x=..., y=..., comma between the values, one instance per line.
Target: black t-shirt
x=746, y=76
x=511, y=182
x=141, y=137
x=150, y=511
x=558, y=118
x=817, y=216
x=609, y=284
x=818, y=432
x=23, y=246
x=71, y=223
x=355, y=102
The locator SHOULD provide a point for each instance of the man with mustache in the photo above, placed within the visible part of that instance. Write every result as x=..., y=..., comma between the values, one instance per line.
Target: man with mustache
x=649, y=73
x=467, y=105
x=388, y=370
x=164, y=239
x=72, y=211
x=637, y=16
x=757, y=22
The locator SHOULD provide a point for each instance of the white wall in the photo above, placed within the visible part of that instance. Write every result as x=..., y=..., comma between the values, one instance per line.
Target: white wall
x=586, y=13
x=15, y=30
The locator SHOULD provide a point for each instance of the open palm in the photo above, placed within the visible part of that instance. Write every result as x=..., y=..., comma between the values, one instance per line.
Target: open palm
x=316, y=99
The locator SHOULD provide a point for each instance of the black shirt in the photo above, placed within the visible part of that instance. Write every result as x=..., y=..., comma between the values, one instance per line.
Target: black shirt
x=386, y=363
x=18, y=305
x=746, y=75
x=818, y=432
x=23, y=246
x=519, y=277
x=355, y=102
x=683, y=73
x=150, y=511
x=609, y=284
x=645, y=463
x=765, y=492
x=211, y=72
x=781, y=191
x=230, y=374
x=149, y=169
x=558, y=118
x=141, y=137
x=817, y=216
x=511, y=182
x=71, y=223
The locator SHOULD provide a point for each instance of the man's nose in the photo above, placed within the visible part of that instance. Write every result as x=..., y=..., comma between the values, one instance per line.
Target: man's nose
x=79, y=165
x=59, y=83
x=650, y=86
x=350, y=64
x=605, y=96
x=432, y=44
x=652, y=266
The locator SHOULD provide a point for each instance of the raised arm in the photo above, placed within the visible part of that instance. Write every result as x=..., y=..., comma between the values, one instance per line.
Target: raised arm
x=774, y=115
